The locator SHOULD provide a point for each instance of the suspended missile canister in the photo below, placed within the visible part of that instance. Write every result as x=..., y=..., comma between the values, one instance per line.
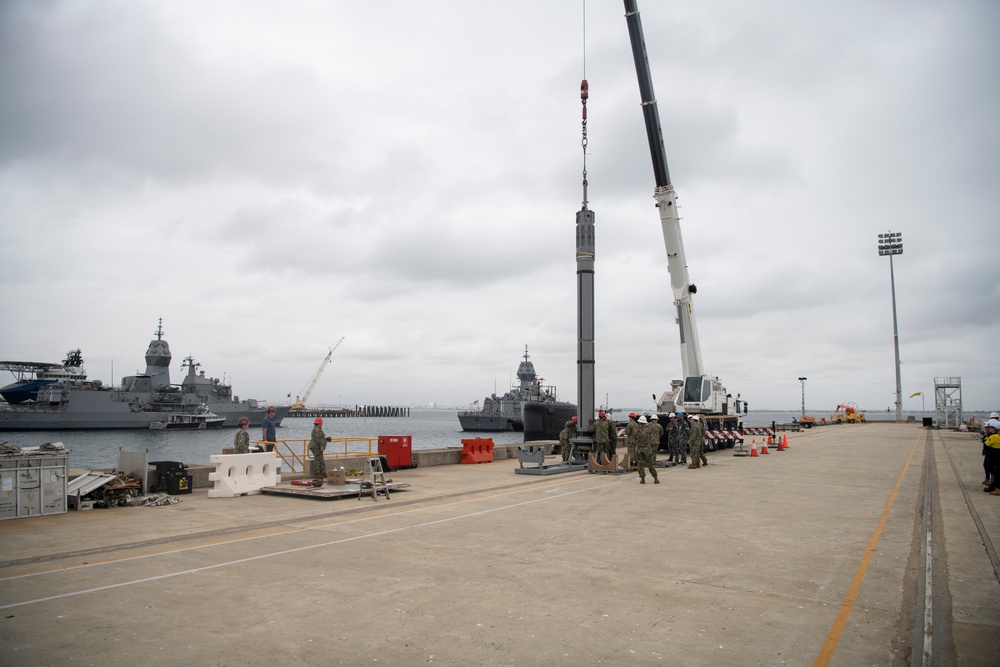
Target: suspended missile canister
x=585, y=245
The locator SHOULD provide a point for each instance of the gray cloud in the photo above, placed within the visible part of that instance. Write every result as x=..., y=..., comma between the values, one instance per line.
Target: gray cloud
x=407, y=175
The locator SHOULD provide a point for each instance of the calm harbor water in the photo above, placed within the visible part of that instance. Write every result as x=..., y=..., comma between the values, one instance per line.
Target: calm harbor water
x=429, y=429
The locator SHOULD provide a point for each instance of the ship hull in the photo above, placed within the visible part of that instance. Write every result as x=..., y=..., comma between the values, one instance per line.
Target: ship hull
x=108, y=409
x=19, y=392
x=475, y=421
x=70, y=402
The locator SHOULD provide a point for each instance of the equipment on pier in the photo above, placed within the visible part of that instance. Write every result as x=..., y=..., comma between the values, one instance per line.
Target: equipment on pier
x=697, y=392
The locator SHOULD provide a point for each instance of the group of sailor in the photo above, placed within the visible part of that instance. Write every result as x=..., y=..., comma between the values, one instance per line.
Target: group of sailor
x=643, y=436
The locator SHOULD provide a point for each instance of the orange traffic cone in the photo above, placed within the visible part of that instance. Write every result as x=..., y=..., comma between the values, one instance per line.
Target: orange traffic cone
x=763, y=447
x=753, y=447
x=784, y=441
x=781, y=445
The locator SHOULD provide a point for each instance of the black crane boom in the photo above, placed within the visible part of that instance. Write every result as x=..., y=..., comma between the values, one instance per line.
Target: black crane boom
x=649, y=111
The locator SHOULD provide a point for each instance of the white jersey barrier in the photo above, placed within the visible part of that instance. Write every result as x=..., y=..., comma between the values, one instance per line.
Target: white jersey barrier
x=242, y=474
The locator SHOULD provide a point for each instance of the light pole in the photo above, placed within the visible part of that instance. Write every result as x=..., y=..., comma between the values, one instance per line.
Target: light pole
x=803, y=381
x=891, y=243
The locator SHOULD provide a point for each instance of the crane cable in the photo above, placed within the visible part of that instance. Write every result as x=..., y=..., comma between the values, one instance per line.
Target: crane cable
x=584, y=95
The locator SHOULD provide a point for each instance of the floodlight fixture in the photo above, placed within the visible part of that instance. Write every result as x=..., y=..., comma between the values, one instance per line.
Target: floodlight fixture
x=891, y=243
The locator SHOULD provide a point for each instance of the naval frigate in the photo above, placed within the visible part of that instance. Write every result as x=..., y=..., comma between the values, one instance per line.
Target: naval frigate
x=71, y=403
x=531, y=407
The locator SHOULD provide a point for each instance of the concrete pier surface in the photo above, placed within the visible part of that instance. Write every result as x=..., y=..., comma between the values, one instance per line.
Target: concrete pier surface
x=811, y=556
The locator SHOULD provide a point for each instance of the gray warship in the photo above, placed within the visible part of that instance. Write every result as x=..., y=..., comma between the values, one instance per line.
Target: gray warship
x=72, y=403
x=530, y=407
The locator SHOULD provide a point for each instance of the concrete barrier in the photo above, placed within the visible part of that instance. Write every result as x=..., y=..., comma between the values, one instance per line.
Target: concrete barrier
x=242, y=474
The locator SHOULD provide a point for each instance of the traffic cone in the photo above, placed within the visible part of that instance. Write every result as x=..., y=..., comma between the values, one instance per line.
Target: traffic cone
x=784, y=442
x=763, y=446
x=781, y=444
x=753, y=447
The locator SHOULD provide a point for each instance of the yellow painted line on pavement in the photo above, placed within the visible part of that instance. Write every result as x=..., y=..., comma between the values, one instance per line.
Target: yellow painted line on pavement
x=830, y=645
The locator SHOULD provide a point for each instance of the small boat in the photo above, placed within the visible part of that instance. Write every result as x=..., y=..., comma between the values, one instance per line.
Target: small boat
x=182, y=420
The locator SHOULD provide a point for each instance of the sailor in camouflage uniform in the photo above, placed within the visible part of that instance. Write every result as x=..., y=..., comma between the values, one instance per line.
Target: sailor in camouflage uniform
x=632, y=434
x=605, y=436
x=696, y=440
x=565, y=435
x=241, y=442
x=684, y=430
x=676, y=442
x=645, y=458
x=317, y=443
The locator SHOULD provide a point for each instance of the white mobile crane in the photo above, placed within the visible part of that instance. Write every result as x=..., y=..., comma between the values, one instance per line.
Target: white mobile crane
x=300, y=401
x=697, y=393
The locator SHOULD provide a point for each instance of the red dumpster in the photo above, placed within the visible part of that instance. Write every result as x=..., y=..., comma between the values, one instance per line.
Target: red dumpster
x=397, y=450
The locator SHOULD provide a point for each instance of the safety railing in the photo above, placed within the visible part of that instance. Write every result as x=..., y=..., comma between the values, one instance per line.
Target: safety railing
x=295, y=453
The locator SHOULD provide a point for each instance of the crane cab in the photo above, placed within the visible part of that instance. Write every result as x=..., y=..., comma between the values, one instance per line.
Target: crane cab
x=701, y=395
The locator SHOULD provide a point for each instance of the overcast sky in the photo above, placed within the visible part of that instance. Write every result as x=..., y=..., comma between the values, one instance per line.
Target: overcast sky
x=270, y=177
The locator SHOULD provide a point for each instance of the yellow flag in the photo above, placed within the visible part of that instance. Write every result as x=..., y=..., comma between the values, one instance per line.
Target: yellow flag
x=916, y=393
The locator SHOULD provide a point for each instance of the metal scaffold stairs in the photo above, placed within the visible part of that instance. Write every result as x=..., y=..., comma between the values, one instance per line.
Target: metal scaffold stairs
x=373, y=479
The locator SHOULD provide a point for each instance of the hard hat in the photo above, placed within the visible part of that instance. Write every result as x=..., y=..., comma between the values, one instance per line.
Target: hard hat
x=642, y=419
x=573, y=418
x=994, y=415
x=631, y=414
x=270, y=408
x=672, y=414
x=696, y=418
x=654, y=416
x=680, y=414
x=601, y=414
x=318, y=420
x=244, y=420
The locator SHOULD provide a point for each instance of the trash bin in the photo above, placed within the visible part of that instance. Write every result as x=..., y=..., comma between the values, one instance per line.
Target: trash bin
x=167, y=478
x=178, y=484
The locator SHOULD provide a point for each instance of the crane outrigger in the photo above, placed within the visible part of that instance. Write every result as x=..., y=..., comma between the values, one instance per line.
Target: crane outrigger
x=697, y=392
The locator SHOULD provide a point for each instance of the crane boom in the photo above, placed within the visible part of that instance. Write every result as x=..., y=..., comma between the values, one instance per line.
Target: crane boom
x=300, y=401
x=666, y=201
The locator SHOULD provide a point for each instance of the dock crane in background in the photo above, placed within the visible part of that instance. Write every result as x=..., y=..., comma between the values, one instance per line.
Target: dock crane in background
x=696, y=393
x=300, y=401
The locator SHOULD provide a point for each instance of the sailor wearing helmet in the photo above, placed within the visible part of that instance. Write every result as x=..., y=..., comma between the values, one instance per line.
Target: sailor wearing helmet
x=317, y=443
x=986, y=450
x=992, y=447
x=605, y=436
x=676, y=442
x=645, y=458
x=568, y=432
x=696, y=441
x=632, y=434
